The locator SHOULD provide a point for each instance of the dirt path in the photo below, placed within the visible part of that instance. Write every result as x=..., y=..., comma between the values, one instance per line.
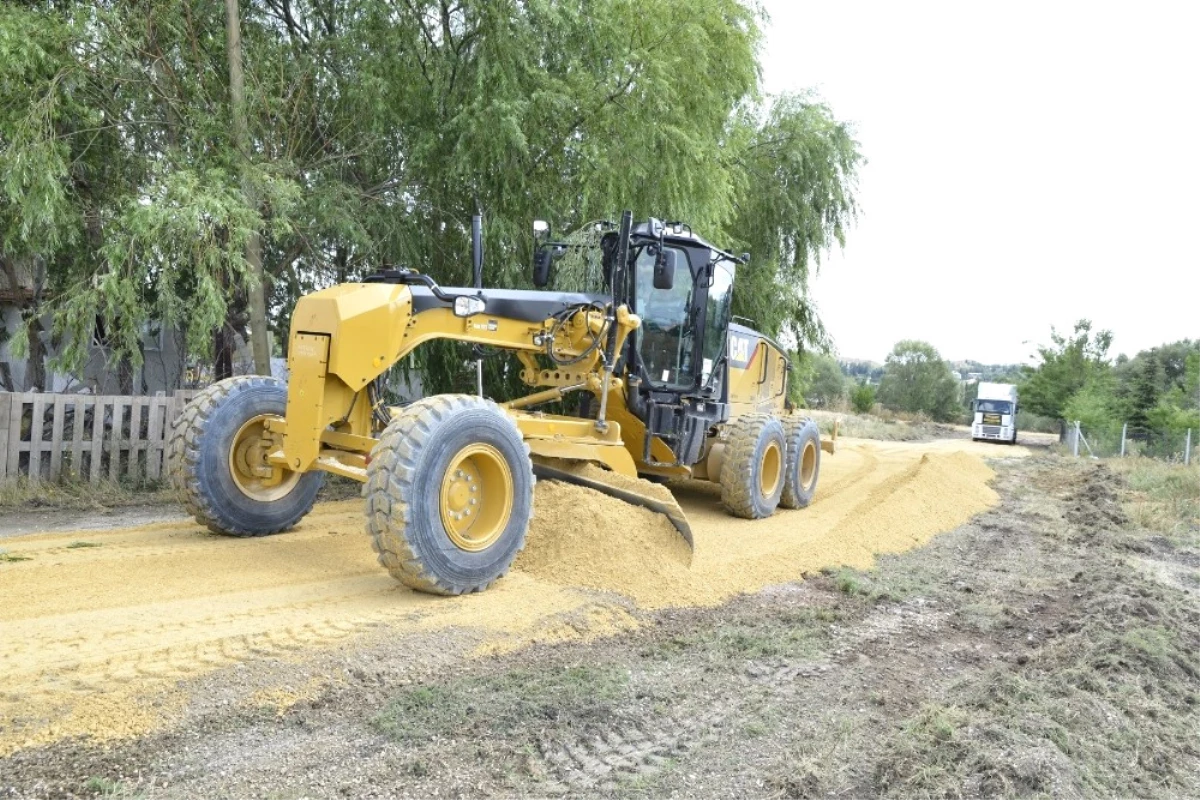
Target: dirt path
x=100, y=626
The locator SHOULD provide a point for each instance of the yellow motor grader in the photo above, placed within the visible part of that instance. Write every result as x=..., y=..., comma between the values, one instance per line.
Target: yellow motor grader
x=671, y=389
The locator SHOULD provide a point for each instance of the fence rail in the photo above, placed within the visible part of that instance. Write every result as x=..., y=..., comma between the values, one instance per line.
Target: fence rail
x=87, y=437
x=1124, y=440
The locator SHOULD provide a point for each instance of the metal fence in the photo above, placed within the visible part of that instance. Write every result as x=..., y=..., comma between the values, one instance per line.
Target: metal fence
x=86, y=437
x=1113, y=442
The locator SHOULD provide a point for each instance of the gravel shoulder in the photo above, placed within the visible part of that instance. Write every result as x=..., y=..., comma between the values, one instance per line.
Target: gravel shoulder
x=1046, y=647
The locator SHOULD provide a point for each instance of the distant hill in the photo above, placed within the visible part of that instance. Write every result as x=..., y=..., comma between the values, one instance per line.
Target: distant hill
x=861, y=368
x=997, y=373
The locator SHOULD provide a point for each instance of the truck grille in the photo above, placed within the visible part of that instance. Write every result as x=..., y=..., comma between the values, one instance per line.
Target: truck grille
x=991, y=430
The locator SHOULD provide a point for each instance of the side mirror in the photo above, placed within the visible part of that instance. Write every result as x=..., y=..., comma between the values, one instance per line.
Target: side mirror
x=543, y=259
x=664, y=268
x=541, y=267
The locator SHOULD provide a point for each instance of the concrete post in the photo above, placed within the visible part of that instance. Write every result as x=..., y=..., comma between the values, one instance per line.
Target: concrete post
x=1075, y=441
x=1187, y=449
x=1124, y=427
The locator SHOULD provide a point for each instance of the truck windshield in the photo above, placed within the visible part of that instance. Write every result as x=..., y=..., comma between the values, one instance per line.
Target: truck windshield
x=994, y=406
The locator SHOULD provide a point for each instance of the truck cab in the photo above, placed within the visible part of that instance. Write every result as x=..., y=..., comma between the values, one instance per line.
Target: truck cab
x=994, y=413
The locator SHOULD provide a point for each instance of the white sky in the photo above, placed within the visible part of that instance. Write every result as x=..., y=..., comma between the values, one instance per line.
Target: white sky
x=1030, y=163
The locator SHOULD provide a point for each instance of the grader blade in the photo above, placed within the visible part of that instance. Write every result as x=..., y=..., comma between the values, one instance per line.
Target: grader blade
x=595, y=479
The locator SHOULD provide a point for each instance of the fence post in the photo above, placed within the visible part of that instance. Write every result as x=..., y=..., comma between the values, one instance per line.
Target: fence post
x=1187, y=449
x=1124, y=427
x=1075, y=441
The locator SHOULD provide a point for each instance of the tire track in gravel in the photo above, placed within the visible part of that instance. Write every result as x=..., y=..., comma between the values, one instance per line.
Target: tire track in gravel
x=158, y=602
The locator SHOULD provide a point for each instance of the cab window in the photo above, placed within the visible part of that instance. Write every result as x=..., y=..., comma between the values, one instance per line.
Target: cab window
x=666, y=338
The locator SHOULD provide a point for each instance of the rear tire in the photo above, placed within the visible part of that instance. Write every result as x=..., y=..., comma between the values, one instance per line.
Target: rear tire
x=213, y=444
x=449, y=494
x=752, y=475
x=803, y=463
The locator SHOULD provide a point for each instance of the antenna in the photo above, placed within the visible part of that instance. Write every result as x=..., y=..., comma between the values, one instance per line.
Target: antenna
x=477, y=249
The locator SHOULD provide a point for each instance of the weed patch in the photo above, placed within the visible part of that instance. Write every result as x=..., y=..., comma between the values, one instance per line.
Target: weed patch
x=21, y=493
x=500, y=705
x=1164, y=497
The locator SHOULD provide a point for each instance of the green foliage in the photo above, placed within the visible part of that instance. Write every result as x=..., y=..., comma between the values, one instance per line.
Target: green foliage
x=1095, y=405
x=795, y=173
x=1065, y=368
x=377, y=129
x=917, y=380
x=1156, y=391
x=862, y=398
x=823, y=384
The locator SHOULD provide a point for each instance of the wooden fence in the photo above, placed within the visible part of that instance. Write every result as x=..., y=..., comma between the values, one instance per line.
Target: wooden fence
x=86, y=437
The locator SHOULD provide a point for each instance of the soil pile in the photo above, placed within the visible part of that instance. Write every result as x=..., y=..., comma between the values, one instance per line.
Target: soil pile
x=583, y=538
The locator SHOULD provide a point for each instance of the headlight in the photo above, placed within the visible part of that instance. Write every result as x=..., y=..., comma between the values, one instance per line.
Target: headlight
x=466, y=306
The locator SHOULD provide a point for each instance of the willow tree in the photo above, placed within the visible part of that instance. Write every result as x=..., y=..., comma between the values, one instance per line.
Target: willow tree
x=374, y=129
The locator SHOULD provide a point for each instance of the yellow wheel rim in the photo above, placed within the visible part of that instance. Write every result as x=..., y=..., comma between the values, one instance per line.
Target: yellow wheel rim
x=257, y=478
x=476, y=497
x=771, y=470
x=808, y=463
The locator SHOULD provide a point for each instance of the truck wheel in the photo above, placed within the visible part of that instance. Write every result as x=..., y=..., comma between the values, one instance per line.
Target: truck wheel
x=803, y=465
x=216, y=460
x=449, y=494
x=752, y=476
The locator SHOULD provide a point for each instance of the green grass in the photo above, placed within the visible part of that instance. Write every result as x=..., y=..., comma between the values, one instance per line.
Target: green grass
x=81, y=544
x=110, y=789
x=6, y=556
x=794, y=633
x=499, y=705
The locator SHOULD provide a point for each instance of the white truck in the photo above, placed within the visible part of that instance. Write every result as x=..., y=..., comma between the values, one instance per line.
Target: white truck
x=995, y=413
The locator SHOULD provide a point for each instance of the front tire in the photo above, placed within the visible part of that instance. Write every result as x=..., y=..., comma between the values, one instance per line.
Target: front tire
x=752, y=475
x=449, y=494
x=803, y=463
x=216, y=460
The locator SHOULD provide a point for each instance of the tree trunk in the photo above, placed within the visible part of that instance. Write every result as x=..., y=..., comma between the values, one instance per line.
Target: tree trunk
x=222, y=354
x=125, y=375
x=35, y=363
x=260, y=336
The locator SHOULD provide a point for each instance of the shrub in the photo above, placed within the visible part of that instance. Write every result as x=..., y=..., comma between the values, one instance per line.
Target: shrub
x=862, y=398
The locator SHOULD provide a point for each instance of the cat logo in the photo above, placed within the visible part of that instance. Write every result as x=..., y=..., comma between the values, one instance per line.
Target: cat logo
x=741, y=351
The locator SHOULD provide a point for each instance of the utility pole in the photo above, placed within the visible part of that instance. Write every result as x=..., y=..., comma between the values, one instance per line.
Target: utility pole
x=260, y=338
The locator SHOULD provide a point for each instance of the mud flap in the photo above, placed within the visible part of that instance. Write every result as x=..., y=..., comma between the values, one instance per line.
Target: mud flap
x=670, y=510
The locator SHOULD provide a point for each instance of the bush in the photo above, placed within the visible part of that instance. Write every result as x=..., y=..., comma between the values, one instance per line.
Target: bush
x=862, y=398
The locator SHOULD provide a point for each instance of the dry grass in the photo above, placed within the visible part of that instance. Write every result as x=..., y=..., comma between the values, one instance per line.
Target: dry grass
x=868, y=426
x=1164, y=497
x=80, y=495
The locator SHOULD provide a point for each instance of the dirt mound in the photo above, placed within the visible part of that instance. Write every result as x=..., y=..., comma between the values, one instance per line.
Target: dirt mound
x=1093, y=505
x=580, y=537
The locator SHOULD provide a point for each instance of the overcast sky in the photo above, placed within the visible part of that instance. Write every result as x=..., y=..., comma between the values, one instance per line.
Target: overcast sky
x=1030, y=163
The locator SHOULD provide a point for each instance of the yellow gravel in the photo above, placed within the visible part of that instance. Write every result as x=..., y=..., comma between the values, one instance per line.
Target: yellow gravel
x=93, y=640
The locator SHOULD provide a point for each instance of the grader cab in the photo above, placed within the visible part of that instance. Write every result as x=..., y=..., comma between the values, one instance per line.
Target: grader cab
x=670, y=388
